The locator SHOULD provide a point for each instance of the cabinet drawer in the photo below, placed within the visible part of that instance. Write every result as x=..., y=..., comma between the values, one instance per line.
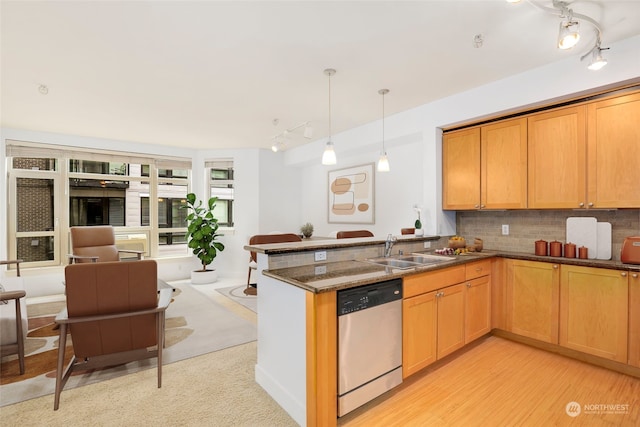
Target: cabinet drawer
x=426, y=282
x=477, y=269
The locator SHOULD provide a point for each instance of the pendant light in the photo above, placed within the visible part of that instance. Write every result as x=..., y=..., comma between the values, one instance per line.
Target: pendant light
x=329, y=155
x=383, y=162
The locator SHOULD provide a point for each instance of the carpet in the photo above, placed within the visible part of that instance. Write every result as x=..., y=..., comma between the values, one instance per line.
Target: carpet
x=236, y=293
x=195, y=325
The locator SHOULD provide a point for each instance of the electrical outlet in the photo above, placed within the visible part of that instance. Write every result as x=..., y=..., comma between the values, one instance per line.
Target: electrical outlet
x=427, y=245
x=321, y=256
x=320, y=269
x=505, y=229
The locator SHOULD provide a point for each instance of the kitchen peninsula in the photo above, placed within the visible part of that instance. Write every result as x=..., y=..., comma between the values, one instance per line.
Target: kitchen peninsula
x=297, y=316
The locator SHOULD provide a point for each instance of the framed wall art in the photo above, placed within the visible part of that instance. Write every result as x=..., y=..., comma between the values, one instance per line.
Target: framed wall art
x=351, y=195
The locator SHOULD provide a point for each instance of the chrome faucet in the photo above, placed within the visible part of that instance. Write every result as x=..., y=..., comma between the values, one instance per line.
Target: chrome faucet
x=388, y=244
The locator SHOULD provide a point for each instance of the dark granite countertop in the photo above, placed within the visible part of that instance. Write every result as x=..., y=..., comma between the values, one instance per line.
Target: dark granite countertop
x=335, y=276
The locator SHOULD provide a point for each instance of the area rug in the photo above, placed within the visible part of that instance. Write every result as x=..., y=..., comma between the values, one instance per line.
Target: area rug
x=236, y=293
x=195, y=325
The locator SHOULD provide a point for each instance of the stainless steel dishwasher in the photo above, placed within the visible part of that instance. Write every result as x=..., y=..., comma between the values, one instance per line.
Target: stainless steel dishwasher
x=369, y=342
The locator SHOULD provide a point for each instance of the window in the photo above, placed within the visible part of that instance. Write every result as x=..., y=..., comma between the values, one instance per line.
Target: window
x=220, y=174
x=93, y=188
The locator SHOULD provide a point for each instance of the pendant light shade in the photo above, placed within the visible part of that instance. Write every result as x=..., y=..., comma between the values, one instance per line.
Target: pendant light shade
x=329, y=155
x=383, y=161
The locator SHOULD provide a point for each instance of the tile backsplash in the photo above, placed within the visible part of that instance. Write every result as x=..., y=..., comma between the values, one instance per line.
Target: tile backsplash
x=527, y=226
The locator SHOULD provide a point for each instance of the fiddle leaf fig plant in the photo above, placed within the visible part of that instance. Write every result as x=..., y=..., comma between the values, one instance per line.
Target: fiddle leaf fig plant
x=202, y=230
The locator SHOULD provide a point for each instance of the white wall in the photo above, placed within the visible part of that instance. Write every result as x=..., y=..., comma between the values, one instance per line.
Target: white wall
x=396, y=191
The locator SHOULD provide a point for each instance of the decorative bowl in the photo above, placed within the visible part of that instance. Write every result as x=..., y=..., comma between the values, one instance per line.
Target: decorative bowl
x=457, y=243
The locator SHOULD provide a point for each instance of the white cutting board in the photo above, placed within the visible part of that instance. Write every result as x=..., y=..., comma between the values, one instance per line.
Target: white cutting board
x=583, y=231
x=603, y=250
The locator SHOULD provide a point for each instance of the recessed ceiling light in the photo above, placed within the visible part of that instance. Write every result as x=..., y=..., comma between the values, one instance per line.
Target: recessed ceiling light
x=43, y=89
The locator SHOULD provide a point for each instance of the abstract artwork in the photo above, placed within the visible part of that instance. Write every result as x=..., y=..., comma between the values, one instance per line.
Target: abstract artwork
x=351, y=192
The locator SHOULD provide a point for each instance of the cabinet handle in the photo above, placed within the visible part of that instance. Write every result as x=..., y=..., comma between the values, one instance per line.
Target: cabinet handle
x=555, y=266
x=581, y=204
x=590, y=204
x=476, y=206
x=469, y=285
x=479, y=269
x=634, y=275
x=623, y=274
x=482, y=206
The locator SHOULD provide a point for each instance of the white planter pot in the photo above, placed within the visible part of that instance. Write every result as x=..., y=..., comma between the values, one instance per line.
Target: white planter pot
x=419, y=232
x=200, y=277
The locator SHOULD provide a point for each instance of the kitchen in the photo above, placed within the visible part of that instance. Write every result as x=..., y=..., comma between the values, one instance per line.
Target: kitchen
x=503, y=280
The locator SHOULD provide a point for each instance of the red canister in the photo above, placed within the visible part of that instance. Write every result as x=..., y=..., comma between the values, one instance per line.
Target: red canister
x=542, y=248
x=569, y=250
x=583, y=252
x=555, y=248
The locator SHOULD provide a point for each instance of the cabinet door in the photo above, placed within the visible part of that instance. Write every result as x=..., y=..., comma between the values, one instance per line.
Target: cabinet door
x=557, y=159
x=532, y=299
x=613, y=150
x=450, y=319
x=634, y=319
x=419, y=332
x=477, y=316
x=594, y=311
x=461, y=169
x=503, y=165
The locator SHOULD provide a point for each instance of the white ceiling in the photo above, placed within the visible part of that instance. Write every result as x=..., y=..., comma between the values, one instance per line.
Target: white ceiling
x=213, y=74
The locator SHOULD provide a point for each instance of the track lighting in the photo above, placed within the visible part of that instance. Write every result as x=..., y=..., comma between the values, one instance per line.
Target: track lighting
x=278, y=140
x=383, y=161
x=569, y=33
x=329, y=155
x=597, y=60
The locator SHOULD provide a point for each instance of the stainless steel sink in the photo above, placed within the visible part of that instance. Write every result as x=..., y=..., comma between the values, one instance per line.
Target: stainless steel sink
x=405, y=262
x=394, y=263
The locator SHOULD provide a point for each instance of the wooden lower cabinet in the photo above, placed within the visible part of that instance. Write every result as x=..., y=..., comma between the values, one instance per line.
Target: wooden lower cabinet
x=532, y=298
x=594, y=310
x=439, y=317
x=634, y=319
x=450, y=319
x=477, y=316
x=419, y=332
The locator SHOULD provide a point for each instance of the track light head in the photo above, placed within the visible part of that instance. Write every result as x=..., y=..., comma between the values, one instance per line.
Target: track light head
x=569, y=34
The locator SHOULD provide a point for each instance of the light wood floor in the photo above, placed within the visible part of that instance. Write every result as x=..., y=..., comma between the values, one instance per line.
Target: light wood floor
x=503, y=383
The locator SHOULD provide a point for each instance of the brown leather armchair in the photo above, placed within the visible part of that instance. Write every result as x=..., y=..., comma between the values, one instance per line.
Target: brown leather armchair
x=260, y=239
x=96, y=244
x=115, y=315
x=353, y=233
x=13, y=315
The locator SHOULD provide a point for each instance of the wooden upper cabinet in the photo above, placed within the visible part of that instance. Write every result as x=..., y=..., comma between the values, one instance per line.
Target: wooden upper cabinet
x=503, y=165
x=557, y=159
x=485, y=167
x=461, y=169
x=613, y=152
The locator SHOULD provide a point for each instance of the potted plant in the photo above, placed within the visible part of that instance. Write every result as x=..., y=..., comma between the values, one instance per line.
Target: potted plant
x=418, y=223
x=307, y=230
x=202, y=235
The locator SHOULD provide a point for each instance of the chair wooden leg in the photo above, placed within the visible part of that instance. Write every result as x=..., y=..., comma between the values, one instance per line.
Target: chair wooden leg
x=161, y=324
x=62, y=345
x=20, y=336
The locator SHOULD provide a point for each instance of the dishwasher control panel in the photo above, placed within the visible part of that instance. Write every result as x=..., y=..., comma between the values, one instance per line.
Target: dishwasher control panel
x=363, y=297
